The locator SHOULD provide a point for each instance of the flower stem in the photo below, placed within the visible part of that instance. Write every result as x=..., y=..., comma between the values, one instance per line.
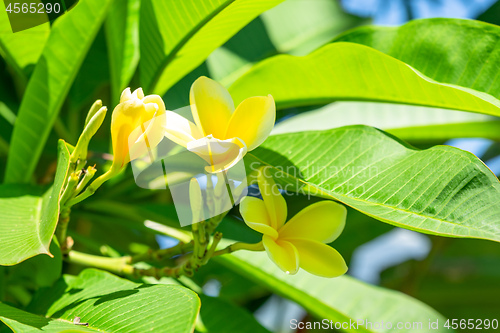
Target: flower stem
x=91, y=188
x=240, y=246
x=160, y=255
x=118, y=266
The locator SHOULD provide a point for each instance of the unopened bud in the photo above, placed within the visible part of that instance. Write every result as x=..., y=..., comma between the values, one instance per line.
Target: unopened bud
x=196, y=200
x=80, y=152
x=93, y=110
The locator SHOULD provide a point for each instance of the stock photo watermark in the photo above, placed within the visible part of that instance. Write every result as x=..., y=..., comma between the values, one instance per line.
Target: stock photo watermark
x=26, y=14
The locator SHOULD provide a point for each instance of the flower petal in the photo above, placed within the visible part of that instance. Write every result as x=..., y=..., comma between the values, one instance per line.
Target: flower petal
x=275, y=203
x=254, y=214
x=252, y=121
x=322, y=221
x=124, y=120
x=319, y=259
x=220, y=155
x=180, y=130
x=211, y=106
x=283, y=253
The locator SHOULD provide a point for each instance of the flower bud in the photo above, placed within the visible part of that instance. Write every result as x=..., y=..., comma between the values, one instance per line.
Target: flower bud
x=93, y=109
x=91, y=127
x=136, y=126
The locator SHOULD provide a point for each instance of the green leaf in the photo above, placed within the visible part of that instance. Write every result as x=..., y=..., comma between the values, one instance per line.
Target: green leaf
x=340, y=299
x=219, y=316
x=21, y=50
x=176, y=37
x=442, y=190
x=407, y=122
x=295, y=27
x=109, y=304
x=71, y=36
x=492, y=15
x=122, y=35
x=28, y=215
x=455, y=51
x=348, y=71
x=25, y=322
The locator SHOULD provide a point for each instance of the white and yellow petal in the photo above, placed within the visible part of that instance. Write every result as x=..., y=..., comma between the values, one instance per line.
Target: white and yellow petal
x=274, y=201
x=220, y=155
x=211, y=106
x=282, y=253
x=180, y=130
x=252, y=121
x=322, y=221
x=319, y=259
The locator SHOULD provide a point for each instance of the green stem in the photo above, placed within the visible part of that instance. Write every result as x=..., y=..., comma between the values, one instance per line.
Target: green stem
x=89, y=174
x=160, y=255
x=240, y=246
x=210, y=253
x=90, y=190
x=118, y=266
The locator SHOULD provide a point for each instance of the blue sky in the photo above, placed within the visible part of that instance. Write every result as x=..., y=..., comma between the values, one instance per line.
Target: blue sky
x=392, y=12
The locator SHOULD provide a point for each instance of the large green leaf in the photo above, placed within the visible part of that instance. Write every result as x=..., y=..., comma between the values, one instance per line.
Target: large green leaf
x=122, y=35
x=407, y=122
x=109, y=304
x=295, y=27
x=22, y=49
x=348, y=71
x=460, y=52
x=29, y=215
x=442, y=190
x=340, y=299
x=70, y=38
x=176, y=36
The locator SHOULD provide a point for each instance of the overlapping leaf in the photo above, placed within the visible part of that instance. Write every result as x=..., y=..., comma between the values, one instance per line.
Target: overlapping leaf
x=70, y=38
x=442, y=190
x=348, y=71
x=29, y=215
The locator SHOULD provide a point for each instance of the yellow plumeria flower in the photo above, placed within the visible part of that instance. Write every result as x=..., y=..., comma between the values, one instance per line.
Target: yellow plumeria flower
x=220, y=133
x=136, y=125
x=301, y=242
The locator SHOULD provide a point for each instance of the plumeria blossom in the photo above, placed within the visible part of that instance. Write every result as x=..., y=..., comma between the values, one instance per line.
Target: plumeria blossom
x=221, y=134
x=136, y=125
x=301, y=242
